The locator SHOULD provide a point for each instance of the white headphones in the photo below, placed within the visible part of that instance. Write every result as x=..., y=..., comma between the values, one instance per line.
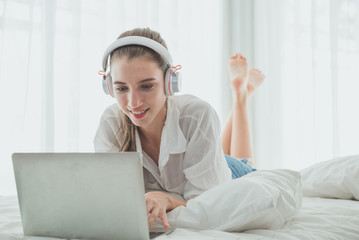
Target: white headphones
x=173, y=79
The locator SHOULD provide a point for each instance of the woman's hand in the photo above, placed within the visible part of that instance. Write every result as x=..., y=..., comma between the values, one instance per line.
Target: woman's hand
x=158, y=203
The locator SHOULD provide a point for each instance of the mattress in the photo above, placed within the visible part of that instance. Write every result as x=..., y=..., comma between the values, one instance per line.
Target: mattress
x=319, y=218
x=321, y=202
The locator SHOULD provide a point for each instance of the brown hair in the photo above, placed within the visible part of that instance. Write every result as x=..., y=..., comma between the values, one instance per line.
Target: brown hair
x=127, y=128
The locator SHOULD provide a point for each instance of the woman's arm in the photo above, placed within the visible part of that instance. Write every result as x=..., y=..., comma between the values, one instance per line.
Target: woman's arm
x=105, y=139
x=204, y=164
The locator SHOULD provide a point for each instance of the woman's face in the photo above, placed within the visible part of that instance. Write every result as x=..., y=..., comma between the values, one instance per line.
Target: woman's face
x=138, y=85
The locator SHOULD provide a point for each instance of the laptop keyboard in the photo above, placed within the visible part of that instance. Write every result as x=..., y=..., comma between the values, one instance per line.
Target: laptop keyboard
x=156, y=234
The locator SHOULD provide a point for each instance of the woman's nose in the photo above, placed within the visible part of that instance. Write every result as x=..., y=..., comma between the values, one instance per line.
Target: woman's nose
x=135, y=100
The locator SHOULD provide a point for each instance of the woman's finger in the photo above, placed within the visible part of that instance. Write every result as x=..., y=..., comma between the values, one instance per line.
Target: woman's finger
x=149, y=206
x=153, y=216
x=164, y=218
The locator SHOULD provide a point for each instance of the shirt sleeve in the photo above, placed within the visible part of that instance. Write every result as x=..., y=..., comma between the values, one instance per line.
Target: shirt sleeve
x=204, y=163
x=106, y=138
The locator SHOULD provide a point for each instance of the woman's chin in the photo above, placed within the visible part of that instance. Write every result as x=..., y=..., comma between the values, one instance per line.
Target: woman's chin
x=139, y=122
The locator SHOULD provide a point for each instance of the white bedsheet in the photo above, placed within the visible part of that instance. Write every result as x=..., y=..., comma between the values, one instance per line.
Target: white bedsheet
x=319, y=218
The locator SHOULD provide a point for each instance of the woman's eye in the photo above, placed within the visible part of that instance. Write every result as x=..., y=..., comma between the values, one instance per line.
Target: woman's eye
x=120, y=89
x=147, y=86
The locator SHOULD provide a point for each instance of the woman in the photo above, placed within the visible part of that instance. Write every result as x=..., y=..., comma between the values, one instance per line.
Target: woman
x=178, y=136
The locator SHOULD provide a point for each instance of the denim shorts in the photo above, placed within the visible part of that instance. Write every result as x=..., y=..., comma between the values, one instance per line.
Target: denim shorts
x=239, y=167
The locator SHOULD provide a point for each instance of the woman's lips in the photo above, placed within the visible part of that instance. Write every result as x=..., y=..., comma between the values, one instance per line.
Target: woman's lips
x=139, y=114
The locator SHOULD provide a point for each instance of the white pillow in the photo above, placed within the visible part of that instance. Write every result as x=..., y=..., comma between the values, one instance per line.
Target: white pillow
x=336, y=178
x=263, y=199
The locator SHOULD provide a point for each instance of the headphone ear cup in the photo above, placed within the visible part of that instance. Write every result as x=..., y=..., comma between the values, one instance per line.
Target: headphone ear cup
x=176, y=82
x=107, y=84
x=167, y=82
x=104, y=85
x=110, y=86
x=173, y=82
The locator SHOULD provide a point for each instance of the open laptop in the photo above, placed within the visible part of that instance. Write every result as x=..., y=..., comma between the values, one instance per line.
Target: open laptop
x=82, y=195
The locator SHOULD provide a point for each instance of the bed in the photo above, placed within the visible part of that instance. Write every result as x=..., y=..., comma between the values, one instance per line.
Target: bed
x=320, y=202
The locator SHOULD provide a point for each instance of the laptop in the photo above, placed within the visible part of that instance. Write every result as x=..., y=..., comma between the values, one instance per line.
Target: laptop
x=82, y=195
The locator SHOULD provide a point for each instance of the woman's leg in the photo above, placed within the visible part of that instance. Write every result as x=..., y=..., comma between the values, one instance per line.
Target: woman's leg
x=240, y=137
x=227, y=135
x=236, y=139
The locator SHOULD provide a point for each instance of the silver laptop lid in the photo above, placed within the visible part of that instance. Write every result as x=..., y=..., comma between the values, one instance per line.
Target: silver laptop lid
x=81, y=195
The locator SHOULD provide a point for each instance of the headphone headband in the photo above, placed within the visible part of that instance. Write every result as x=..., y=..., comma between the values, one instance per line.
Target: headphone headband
x=172, y=78
x=137, y=40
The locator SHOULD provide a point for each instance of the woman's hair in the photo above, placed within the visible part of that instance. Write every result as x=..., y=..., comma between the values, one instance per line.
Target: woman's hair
x=127, y=128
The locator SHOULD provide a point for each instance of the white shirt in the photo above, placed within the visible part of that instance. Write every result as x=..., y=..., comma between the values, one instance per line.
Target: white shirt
x=191, y=158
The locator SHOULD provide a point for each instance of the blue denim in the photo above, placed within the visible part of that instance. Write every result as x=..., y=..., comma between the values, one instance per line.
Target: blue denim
x=239, y=167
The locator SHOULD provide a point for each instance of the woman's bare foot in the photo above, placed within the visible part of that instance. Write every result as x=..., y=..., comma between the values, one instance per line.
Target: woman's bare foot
x=254, y=80
x=238, y=73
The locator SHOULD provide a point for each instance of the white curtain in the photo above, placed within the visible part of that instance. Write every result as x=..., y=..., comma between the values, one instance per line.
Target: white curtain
x=51, y=96
x=307, y=110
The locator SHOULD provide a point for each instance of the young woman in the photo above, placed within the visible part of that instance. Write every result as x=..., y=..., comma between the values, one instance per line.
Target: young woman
x=178, y=136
